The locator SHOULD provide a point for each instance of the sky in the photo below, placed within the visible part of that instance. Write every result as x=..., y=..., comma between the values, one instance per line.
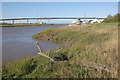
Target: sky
x=58, y=9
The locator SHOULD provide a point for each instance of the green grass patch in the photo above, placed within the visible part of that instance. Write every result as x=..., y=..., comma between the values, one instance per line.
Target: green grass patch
x=82, y=47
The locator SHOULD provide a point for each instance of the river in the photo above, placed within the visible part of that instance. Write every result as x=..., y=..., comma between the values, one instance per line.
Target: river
x=17, y=42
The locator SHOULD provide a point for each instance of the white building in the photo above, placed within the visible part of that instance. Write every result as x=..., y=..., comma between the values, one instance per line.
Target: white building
x=40, y=22
x=85, y=22
x=76, y=22
x=97, y=21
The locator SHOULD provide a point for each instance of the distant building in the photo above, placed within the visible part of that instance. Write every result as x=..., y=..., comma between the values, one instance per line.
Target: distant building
x=97, y=21
x=76, y=22
x=85, y=22
x=21, y=22
x=40, y=22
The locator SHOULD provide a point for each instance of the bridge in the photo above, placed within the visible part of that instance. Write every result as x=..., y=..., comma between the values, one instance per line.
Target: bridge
x=48, y=18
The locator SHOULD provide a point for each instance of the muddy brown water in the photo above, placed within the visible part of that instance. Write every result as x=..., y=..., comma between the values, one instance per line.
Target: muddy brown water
x=17, y=42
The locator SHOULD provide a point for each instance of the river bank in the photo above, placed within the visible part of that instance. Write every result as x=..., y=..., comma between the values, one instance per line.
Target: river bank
x=89, y=51
x=20, y=25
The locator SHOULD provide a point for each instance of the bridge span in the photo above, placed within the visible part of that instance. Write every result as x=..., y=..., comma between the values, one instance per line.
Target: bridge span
x=48, y=18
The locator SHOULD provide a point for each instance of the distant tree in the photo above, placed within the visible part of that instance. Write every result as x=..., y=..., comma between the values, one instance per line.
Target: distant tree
x=117, y=17
x=114, y=18
x=109, y=17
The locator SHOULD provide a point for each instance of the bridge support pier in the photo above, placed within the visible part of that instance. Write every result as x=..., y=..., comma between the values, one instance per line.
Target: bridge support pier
x=37, y=21
x=79, y=20
x=2, y=22
x=27, y=21
x=48, y=21
x=13, y=21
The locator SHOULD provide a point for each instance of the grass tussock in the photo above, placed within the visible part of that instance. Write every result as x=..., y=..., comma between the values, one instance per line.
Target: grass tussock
x=89, y=51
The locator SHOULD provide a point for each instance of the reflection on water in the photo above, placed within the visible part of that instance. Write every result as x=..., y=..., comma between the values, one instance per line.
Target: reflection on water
x=17, y=41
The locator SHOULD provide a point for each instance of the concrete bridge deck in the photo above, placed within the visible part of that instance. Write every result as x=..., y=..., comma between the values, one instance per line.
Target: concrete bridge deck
x=52, y=18
x=49, y=18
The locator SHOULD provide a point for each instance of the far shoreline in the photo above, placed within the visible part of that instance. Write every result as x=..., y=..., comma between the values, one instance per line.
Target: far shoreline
x=22, y=25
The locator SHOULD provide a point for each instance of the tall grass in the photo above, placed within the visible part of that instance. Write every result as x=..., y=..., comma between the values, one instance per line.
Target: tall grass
x=96, y=43
x=89, y=51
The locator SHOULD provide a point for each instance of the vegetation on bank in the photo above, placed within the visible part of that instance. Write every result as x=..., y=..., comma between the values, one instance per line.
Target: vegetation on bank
x=89, y=51
x=112, y=19
x=95, y=43
x=20, y=25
